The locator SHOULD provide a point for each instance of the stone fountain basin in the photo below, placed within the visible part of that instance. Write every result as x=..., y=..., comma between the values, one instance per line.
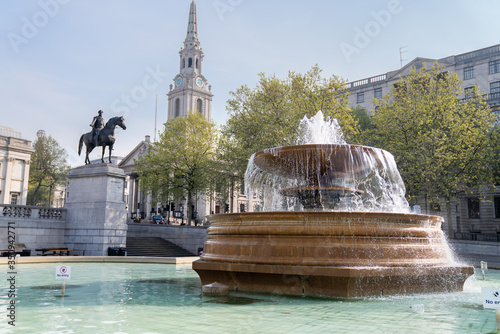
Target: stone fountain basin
x=343, y=254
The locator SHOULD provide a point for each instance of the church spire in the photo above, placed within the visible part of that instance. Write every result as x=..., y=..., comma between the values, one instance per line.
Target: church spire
x=192, y=30
x=190, y=91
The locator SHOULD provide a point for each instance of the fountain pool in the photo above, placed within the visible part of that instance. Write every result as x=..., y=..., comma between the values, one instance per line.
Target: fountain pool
x=157, y=298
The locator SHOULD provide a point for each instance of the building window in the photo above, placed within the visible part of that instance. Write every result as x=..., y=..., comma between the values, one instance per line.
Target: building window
x=469, y=92
x=377, y=93
x=469, y=72
x=242, y=207
x=494, y=66
x=13, y=198
x=177, y=108
x=183, y=62
x=199, y=106
x=361, y=97
x=494, y=90
x=197, y=65
x=473, y=207
x=190, y=62
x=497, y=207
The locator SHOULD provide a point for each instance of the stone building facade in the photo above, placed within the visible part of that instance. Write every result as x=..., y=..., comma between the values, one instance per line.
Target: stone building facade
x=478, y=216
x=15, y=154
x=479, y=68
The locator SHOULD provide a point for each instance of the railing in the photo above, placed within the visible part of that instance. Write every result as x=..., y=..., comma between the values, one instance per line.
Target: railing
x=366, y=81
x=474, y=54
x=33, y=212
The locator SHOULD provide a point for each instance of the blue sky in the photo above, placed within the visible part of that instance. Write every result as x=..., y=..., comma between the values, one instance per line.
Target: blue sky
x=63, y=60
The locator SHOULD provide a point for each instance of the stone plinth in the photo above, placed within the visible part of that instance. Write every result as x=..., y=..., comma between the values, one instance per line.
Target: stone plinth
x=340, y=254
x=97, y=215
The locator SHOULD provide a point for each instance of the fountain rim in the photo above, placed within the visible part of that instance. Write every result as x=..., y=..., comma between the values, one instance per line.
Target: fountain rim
x=244, y=216
x=314, y=146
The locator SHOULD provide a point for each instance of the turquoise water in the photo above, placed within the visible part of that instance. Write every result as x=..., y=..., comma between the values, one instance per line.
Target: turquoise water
x=159, y=298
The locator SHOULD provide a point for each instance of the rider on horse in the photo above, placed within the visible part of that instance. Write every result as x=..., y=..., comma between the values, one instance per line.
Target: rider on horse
x=97, y=125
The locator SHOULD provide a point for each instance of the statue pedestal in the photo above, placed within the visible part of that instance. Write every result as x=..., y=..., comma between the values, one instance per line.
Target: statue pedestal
x=97, y=216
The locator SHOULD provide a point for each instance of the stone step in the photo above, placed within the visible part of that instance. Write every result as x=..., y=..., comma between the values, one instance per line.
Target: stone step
x=154, y=247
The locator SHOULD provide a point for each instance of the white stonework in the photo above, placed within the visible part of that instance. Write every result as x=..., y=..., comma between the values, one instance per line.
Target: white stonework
x=190, y=91
x=15, y=154
x=96, y=208
x=479, y=68
x=137, y=201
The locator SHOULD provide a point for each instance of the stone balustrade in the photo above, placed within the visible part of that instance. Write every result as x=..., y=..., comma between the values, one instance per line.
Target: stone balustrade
x=33, y=212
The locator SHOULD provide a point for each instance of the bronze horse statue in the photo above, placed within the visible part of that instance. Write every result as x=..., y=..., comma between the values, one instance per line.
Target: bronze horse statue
x=105, y=138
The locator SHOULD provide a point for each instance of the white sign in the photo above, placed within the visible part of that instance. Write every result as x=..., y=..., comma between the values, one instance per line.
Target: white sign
x=491, y=297
x=63, y=272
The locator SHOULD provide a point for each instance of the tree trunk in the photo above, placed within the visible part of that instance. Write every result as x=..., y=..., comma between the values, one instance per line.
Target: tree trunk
x=449, y=229
x=35, y=195
x=232, y=196
x=189, y=208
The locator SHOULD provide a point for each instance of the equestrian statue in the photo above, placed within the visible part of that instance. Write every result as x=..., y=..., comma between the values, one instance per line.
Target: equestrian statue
x=101, y=135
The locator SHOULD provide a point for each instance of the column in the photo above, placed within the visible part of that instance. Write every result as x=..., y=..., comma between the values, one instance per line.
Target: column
x=26, y=176
x=8, y=177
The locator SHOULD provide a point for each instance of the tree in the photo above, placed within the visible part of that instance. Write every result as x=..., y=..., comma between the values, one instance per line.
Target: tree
x=269, y=115
x=48, y=169
x=179, y=165
x=364, y=120
x=495, y=161
x=440, y=142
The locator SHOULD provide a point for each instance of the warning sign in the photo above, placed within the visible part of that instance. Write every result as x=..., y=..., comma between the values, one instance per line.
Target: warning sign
x=491, y=297
x=63, y=272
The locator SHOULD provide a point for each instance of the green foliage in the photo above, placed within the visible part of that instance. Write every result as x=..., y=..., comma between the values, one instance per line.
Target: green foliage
x=269, y=115
x=495, y=157
x=180, y=164
x=48, y=169
x=366, y=126
x=440, y=142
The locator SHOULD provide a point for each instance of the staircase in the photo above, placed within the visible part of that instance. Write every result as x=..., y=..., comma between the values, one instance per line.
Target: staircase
x=154, y=247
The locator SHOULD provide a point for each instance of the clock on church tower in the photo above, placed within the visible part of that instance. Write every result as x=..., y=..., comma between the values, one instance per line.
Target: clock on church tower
x=190, y=91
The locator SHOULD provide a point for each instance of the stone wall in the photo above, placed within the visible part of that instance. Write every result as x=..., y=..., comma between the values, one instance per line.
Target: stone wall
x=476, y=248
x=188, y=237
x=36, y=227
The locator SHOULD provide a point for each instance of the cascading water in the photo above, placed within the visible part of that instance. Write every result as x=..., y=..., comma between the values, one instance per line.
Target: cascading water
x=323, y=172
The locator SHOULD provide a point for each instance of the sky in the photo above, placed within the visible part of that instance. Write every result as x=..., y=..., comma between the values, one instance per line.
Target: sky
x=63, y=60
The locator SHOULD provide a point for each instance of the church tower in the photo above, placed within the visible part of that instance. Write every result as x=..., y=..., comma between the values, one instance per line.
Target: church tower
x=190, y=91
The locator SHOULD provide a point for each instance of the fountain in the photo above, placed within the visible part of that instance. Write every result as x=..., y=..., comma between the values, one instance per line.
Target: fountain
x=331, y=220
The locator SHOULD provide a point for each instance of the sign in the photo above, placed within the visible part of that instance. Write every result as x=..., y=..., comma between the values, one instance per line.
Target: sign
x=491, y=298
x=63, y=272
